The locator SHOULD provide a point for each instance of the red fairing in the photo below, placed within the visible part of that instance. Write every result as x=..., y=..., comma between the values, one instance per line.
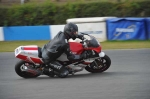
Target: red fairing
x=36, y=60
x=22, y=57
x=30, y=48
x=76, y=48
x=31, y=59
x=97, y=49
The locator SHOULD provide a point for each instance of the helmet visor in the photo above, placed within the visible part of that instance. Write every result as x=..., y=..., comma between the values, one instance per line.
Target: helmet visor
x=75, y=33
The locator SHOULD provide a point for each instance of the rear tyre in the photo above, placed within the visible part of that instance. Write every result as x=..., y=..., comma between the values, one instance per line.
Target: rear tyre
x=103, y=64
x=21, y=73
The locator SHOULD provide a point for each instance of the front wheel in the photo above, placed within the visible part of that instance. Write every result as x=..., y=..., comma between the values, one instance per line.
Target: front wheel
x=99, y=65
x=19, y=69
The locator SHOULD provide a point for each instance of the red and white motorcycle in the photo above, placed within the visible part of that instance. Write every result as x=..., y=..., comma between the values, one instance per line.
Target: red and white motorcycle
x=31, y=64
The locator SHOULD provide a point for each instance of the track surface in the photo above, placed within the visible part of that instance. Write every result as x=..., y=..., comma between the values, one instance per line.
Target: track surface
x=127, y=78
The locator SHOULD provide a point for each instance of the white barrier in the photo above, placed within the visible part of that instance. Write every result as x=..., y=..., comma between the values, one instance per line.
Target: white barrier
x=95, y=26
x=54, y=29
x=1, y=34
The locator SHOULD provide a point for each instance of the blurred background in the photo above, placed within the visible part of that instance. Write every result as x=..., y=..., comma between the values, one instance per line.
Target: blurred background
x=43, y=19
x=25, y=1
x=53, y=12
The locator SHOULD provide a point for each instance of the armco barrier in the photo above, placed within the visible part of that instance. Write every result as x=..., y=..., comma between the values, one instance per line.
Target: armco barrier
x=1, y=34
x=126, y=29
x=26, y=33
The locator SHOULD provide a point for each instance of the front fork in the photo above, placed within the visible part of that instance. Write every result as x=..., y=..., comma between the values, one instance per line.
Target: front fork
x=98, y=65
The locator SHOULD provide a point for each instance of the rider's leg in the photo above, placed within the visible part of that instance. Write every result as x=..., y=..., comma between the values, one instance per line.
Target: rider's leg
x=56, y=66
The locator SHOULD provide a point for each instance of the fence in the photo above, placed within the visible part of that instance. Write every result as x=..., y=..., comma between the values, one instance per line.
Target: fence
x=108, y=29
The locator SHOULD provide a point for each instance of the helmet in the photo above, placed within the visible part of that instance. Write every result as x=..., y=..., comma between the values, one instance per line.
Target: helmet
x=71, y=30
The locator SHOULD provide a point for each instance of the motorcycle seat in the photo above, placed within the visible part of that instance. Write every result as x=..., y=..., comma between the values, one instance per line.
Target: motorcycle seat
x=39, y=52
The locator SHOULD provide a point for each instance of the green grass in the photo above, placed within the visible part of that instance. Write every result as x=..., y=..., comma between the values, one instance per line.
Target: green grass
x=9, y=46
x=126, y=44
x=85, y=0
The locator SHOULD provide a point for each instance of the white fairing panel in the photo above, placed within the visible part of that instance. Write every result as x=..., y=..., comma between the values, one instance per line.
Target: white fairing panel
x=32, y=52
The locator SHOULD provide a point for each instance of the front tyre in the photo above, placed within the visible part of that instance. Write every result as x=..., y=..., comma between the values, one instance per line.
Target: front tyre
x=19, y=70
x=100, y=66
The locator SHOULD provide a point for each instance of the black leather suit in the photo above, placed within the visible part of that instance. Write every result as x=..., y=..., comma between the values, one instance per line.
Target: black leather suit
x=54, y=48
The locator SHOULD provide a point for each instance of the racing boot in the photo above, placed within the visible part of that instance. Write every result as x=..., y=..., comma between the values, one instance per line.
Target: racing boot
x=61, y=71
x=48, y=72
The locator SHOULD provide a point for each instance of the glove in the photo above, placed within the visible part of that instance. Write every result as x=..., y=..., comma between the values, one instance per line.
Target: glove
x=81, y=37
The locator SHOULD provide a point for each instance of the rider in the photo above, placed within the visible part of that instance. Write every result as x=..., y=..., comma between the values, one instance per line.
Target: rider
x=58, y=45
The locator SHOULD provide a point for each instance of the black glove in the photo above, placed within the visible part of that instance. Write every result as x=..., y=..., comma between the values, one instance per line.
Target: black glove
x=81, y=37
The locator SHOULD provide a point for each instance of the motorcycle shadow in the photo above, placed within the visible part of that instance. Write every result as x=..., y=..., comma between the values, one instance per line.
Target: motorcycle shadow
x=95, y=75
x=105, y=74
x=89, y=75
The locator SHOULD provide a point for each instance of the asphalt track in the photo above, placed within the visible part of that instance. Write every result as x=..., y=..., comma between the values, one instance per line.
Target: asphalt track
x=127, y=78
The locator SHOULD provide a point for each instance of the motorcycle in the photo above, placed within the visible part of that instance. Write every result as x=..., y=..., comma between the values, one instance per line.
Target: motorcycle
x=31, y=65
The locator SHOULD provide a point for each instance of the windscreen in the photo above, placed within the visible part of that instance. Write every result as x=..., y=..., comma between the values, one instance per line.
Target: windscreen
x=91, y=41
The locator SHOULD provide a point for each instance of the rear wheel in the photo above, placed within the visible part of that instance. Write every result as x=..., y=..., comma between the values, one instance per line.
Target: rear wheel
x=100, y=65
x=20, y=65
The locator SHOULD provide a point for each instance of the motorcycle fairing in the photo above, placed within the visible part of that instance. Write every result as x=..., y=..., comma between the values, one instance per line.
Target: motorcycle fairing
x=77, y=48
x=28, y=53
x=96, y=49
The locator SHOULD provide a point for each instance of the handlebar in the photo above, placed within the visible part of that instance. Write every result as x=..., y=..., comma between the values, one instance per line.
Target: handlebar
x=84, y=43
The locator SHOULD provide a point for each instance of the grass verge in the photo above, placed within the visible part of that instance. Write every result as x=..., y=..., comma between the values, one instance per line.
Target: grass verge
x=9, y=46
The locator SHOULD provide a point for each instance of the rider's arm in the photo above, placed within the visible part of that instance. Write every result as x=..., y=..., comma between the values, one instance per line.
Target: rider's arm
x=70, y=55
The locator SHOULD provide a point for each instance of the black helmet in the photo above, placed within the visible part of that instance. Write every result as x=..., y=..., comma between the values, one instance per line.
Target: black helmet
x=71, y=30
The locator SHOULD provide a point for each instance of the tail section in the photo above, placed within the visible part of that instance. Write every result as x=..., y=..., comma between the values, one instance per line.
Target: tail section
x=29, y=54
